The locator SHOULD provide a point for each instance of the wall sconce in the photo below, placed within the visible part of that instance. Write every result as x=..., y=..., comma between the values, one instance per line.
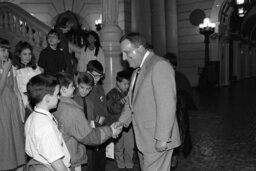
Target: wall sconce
x=98, y=23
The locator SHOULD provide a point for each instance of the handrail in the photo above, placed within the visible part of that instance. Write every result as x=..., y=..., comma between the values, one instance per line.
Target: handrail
x=25, y=15
x=15, y=19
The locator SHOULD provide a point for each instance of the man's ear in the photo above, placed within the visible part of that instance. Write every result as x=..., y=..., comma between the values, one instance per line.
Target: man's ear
x=141, y=49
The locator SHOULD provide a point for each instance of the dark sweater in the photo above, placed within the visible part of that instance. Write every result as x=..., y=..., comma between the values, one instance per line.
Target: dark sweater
x=52, y=61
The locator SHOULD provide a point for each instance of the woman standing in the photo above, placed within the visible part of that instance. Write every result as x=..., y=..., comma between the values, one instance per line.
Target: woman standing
x=11, y=127
x=91, y=51
x=25, y=67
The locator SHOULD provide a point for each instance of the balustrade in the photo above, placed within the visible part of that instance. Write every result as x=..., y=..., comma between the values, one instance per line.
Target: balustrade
x=21, y=23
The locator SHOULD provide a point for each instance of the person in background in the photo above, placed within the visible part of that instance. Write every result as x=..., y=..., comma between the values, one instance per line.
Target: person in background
x=97, y=154
x=151, y=104
x=116, y=98
x=182, y=82
x=63, y=27
x=185, y=103
x=76, y=130
x=91, y=51
x=51, y=58
x=12, y=131
x=97, y=95
x=25, y=67
x=44, y=142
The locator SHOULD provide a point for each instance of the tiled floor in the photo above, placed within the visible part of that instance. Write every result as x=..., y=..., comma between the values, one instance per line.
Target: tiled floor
x=223, y=130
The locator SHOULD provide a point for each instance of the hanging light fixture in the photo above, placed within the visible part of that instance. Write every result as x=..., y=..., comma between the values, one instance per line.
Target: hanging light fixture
x=239, y=2
x=242, y=7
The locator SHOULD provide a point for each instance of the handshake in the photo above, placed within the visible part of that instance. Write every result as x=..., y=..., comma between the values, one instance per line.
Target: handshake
x=116, y=128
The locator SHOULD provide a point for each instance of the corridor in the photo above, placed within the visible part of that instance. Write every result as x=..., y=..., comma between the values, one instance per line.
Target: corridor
x=223, y=130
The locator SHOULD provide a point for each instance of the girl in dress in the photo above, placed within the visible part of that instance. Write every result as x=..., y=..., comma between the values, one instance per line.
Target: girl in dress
x=91, y=51
x=25, y=67
x=11, y=127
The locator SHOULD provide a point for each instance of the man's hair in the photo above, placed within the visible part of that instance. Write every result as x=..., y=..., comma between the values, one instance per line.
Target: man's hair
x=53, y=31
x=85, y=78
x=172, y=58
x=39, y=86
x=64, y=79
x=96, y=66
x=135, y=38
x=122, y=75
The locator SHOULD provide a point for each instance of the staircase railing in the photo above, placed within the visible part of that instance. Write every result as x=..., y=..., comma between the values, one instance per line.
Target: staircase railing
x=18, y=21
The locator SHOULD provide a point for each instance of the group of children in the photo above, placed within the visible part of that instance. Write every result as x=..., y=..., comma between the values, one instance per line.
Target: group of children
x=62, y=112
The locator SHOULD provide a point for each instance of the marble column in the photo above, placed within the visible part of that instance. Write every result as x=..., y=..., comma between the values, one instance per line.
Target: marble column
x=250, y=61
x=224, y=61
x=171, y=26
x=141, y=19
x=158, y=26
x=246, y=60
x=110, y=35
x=254, y=61
x=236, y=59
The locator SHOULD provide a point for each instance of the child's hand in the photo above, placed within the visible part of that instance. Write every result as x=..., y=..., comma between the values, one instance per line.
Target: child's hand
x=7, y=65
x=116, y=129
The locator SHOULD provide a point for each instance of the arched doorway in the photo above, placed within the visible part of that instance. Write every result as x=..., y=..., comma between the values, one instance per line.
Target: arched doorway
x=79, y=29
x=233, y=43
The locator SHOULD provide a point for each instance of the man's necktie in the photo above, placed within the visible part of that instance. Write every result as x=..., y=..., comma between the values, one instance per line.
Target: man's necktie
x=134, y=81
x=85, y=107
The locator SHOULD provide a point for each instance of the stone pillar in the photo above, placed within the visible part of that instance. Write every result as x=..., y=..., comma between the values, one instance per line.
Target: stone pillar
x=243, y=60
x=158, y=26
x=236, y=59
x=141, y=19
x=246, y=60
x=224, y=61
x=110, y=35
x=171, y=26
x=254, y=61
x=250, y=61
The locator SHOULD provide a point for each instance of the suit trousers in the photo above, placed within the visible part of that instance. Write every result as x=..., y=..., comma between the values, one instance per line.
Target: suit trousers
x=158, y=161
x=124, y=149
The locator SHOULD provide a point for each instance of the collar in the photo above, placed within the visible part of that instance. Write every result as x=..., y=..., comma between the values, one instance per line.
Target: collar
x=42, y=111
x=69, y=101
x=65, y=99
x=144, y=58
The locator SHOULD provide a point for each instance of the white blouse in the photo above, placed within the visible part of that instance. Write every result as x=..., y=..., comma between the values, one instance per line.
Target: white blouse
x=23, y=75
x=87, y=56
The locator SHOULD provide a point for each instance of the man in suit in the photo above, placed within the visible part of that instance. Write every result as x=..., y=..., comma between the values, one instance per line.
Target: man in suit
x=152, y=104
